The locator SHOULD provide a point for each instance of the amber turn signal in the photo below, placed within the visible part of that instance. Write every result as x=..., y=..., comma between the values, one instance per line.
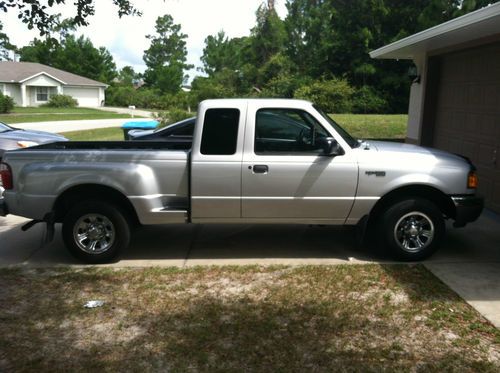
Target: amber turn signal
x=472, y=180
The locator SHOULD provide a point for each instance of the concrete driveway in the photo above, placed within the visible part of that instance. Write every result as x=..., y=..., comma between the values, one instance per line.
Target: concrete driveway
x=469, y=261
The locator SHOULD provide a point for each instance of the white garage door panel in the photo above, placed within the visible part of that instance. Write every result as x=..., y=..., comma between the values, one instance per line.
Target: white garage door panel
x=84, y=96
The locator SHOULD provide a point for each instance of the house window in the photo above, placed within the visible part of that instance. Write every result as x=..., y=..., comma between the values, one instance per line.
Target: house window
x=42, y=94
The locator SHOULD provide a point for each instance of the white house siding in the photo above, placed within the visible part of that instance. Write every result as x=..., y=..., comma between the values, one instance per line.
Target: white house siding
x=42, y=81
x=14, y=91
x=86, y=96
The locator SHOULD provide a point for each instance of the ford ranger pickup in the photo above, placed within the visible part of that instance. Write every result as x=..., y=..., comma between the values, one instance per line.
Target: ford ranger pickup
x=257, y=161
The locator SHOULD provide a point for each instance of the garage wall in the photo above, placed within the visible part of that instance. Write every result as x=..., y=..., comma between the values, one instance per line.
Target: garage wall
x=86, y=96
x=467, y=113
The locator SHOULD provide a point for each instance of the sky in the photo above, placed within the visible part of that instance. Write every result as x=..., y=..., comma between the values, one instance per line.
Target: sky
x=126, y=39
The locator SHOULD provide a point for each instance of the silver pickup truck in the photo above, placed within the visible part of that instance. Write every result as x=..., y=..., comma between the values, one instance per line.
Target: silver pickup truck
x=252, y=161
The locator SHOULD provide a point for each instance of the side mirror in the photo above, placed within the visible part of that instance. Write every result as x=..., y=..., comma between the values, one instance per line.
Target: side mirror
x=330, y=146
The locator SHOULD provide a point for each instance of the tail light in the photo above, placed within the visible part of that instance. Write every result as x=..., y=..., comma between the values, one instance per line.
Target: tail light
x=472, y=180
x=6, y=175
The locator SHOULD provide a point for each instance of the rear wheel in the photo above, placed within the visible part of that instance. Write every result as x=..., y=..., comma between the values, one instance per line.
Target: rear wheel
x=95, y=231
x=412, y=229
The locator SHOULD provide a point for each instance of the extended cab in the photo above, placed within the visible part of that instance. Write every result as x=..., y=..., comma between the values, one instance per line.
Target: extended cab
x=250, y=161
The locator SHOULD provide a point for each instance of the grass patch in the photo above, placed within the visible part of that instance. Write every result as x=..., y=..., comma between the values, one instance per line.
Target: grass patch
x=313, y=318
x=45, y=114
x=373, y=126
x=51, y=110
x=100, y=134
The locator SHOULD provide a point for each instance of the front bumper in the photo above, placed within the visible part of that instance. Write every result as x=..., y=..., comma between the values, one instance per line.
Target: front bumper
x=468, y=209
x=3, y=207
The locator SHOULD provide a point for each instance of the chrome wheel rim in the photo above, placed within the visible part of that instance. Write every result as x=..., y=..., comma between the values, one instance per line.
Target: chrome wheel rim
x=94, y=233
x=414, y=232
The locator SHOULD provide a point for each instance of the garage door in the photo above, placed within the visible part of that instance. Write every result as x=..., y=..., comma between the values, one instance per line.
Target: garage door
x=88, y=97
x=468, y=113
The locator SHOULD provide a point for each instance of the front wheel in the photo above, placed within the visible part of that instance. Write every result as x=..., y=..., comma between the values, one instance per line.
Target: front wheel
x=95, y=231
x=412, y=229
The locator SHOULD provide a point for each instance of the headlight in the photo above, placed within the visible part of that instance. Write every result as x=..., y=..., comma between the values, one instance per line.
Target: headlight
x=26, y=144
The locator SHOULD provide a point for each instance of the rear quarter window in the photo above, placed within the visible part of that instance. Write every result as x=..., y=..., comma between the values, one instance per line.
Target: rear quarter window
x=220, y=132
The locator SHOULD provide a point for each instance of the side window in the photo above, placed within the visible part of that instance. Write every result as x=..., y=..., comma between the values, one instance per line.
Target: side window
x=220, y=131
x=287, y=131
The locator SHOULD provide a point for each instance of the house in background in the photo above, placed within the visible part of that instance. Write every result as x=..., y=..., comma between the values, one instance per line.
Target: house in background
x=32, y=84
x=455, y=99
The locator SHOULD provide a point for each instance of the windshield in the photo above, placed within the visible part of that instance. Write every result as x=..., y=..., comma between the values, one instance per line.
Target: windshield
x=4, y=127
x=353, y=142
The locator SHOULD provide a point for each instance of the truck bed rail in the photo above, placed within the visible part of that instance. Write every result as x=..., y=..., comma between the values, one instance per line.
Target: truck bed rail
x=116, y=145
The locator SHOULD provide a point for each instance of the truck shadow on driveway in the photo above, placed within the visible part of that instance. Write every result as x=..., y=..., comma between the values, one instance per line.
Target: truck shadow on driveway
x=182, y=245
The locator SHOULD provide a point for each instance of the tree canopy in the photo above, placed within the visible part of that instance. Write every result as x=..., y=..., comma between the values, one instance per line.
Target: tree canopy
x=322, y=41
x=320, y=51
x=36, y=13
x=166, y=56
x=6, y=48
x=76, y=55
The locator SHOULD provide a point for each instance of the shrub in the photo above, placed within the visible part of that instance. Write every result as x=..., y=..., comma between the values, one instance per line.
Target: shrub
x=172, y=116
x=6, y=104
x=61, y=101
x=333, y=95
x=120, y=96
x=367, y=100
x=282, y=86
x=207, y=88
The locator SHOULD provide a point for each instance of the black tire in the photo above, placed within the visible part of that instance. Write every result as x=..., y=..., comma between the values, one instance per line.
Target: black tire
x=105, y=222
x=412, y=229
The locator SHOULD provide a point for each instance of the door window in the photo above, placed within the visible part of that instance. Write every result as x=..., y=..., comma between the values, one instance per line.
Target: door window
x=287, y=131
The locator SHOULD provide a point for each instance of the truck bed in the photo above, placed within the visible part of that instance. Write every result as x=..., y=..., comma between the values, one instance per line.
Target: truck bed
x=154, y=176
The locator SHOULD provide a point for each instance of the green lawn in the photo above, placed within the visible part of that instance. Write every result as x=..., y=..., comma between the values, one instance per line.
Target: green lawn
x=353, y=318
x=50, y=110
x=363, y=126
x=373, y=126
x=101, y=134
x=43, y=114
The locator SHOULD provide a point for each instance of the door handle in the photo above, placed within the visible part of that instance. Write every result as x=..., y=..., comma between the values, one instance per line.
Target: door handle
x=260, y=169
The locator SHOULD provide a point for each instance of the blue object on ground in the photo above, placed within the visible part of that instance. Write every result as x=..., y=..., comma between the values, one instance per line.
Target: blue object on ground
x=140, y=125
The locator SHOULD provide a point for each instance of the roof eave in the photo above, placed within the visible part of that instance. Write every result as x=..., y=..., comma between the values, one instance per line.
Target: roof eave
x=395, y=50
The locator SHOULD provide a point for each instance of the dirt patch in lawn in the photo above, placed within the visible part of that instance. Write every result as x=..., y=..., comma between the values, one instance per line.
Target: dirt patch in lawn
x=352, y=318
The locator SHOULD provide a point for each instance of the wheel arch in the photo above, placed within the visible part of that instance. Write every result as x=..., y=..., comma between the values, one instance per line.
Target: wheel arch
x=432, y=194
x=78, y=193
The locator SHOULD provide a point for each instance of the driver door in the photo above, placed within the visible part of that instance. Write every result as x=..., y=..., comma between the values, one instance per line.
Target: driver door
x=286, y=177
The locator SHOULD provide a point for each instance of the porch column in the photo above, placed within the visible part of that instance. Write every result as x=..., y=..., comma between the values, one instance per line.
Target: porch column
x=24, y=97
x=59, y=90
